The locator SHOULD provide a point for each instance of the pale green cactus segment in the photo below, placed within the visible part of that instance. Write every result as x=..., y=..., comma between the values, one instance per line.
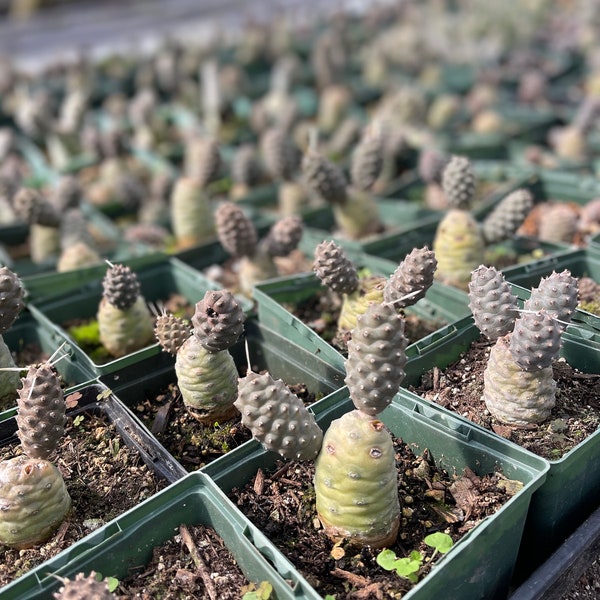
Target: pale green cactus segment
x=513, y=395
x=207, y=381
x=41, y=416
x=458, y=246
x=9, y=380
x=492, y=303
x=557, y=295
x=191, y=213
x=277, y=418
x=535, y=341
x=125, y=331
x=33, y=501
x=254, y=270
x=44, y=243
x=356, y=482
x=358, y=216
x=376, y=358
x=370, y=291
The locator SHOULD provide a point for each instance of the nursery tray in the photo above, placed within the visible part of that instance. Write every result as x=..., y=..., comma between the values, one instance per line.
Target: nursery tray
x=571, y=488
x=480, y=565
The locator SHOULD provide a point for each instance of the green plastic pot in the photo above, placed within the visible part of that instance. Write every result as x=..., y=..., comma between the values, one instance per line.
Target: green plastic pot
x=579, y=262
x=573, y=483
x=128, y=542
x=74, y=372
x=157, y=280
x=441, y=302
x=480, y=565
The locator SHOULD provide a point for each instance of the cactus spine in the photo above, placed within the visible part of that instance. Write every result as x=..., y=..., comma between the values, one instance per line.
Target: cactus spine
x=206, y=373
x=518, y=385
x=124, y=320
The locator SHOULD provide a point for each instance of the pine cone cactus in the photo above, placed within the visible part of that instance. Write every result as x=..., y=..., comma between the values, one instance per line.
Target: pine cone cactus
x=356, y=482
x=191, y=213
x=12, y=294
x=431, y=165
x=277, y=418
x=367, y=161
x=458, y=245
x=236, y=232
x=124, y=320
x=376, y=358
x=589, y=290
x=334, y=268
x=282, y=158
x=493, y=305
x=171, y=332
x=202, y=160
x=34, y=209
x=206, y=373
x=535, y=341
x=556, y=294
x=33, y=501
x=284, y=236
x=507, y=217
x=41, y=413
x=218, y=320
x=411, y=279
x=324, y=178
x=83, y=588
x=245, y=170
x=458, y=181
x=558, y=224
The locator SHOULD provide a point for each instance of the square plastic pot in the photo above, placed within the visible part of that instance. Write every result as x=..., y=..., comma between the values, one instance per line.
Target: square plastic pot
x=581, y=263
x=157, y=281
x=26, y=330
x=128, y=542
x=441, y=302
x=480, y=565
x=572, y=486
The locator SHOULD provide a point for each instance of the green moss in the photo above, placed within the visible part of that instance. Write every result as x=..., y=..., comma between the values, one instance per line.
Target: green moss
x=591, y=307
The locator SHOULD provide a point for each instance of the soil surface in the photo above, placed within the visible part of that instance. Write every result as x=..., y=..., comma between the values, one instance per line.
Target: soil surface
x=195, y=563
x=282, y=505
x=575, y=416
x=104, y=479
x=193, y=444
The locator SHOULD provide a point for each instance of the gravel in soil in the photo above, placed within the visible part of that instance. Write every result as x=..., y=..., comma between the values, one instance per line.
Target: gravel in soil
x=195, y=563
x=282, y=505
x=575, y=416
x=104, y=478
x=190, y=442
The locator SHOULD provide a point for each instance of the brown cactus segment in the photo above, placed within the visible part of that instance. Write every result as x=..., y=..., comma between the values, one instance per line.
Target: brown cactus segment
x=493, y=305
x=589, y=290
x=458, y=181
x=218, y=320
x=376, y=358
x=34, y=209
x=411, y=279
x=41, y=412
x=83, y=588
x=559, y=223
x=324, y=178
x=171, y=332
x=555, y=294
x=334, y=268
x=277, y=418
x=202, y=160
x=236, y=232
x=244, y=167
x=535, y=341
x=284, y=236
x=282, y=158
x=431, y=165
x=508, y=216
x=33, y=501
x=121, y=287
x=367, y=160
x=12, y=294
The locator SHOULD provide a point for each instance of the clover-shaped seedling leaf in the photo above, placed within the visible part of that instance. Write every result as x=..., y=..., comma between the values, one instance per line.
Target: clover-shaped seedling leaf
x=439, y=541
x=405, y=567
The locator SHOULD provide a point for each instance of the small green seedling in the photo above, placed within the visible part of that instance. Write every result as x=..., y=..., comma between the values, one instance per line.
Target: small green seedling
x=112, y=583
x=262, y=592
x=410, y=566
x=405, y=567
